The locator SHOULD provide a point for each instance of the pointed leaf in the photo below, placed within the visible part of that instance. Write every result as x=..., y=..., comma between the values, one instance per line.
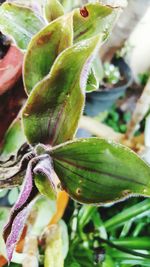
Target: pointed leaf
x=98, y=171
x=53, y=10
x=44, y=48
x=19, y=22
x=92, y=19
x=92, y=82
x=53, y=109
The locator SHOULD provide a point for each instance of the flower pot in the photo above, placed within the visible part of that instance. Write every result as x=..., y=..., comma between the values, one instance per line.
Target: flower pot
x=10, y=68
x=101, y=100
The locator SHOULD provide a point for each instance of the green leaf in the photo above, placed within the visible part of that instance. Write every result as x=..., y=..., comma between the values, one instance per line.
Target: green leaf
x=98, y=171
x=140, y=209
x=19, y=22
x=44, y=186
x=92, y=82
x=80, y=257
x=85, y=214
x=54, y=107
x=13, y=138
x=139, y=243
x=44, y=48
x=53, y=10
x=93, y=19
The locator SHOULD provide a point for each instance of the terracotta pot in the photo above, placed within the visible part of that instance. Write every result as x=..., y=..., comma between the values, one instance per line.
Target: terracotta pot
x=10, y=68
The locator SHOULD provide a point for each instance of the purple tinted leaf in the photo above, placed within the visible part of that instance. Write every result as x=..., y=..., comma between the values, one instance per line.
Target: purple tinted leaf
x=44, y=166
x=16, y=229
x=26, y=189
x=19, y=213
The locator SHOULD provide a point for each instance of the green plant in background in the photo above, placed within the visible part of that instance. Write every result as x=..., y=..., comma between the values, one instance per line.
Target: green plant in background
x=116, y=240
x=111, y=74
x=57, y=63
x=117, y=119
x=143, y=78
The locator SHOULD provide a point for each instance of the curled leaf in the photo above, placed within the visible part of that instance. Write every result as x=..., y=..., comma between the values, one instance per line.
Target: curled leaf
x=98, y=171
x=19, y=213
x=54, y=106
x=44, y=48
x=21, y=209
x=19, y=22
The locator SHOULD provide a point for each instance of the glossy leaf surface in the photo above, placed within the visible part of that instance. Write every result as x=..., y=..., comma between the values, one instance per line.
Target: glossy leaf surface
x=19, y=22
x=98, y=171
x=92, y=19
x=53, y=109
x=53, y=10
x=44, y=48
